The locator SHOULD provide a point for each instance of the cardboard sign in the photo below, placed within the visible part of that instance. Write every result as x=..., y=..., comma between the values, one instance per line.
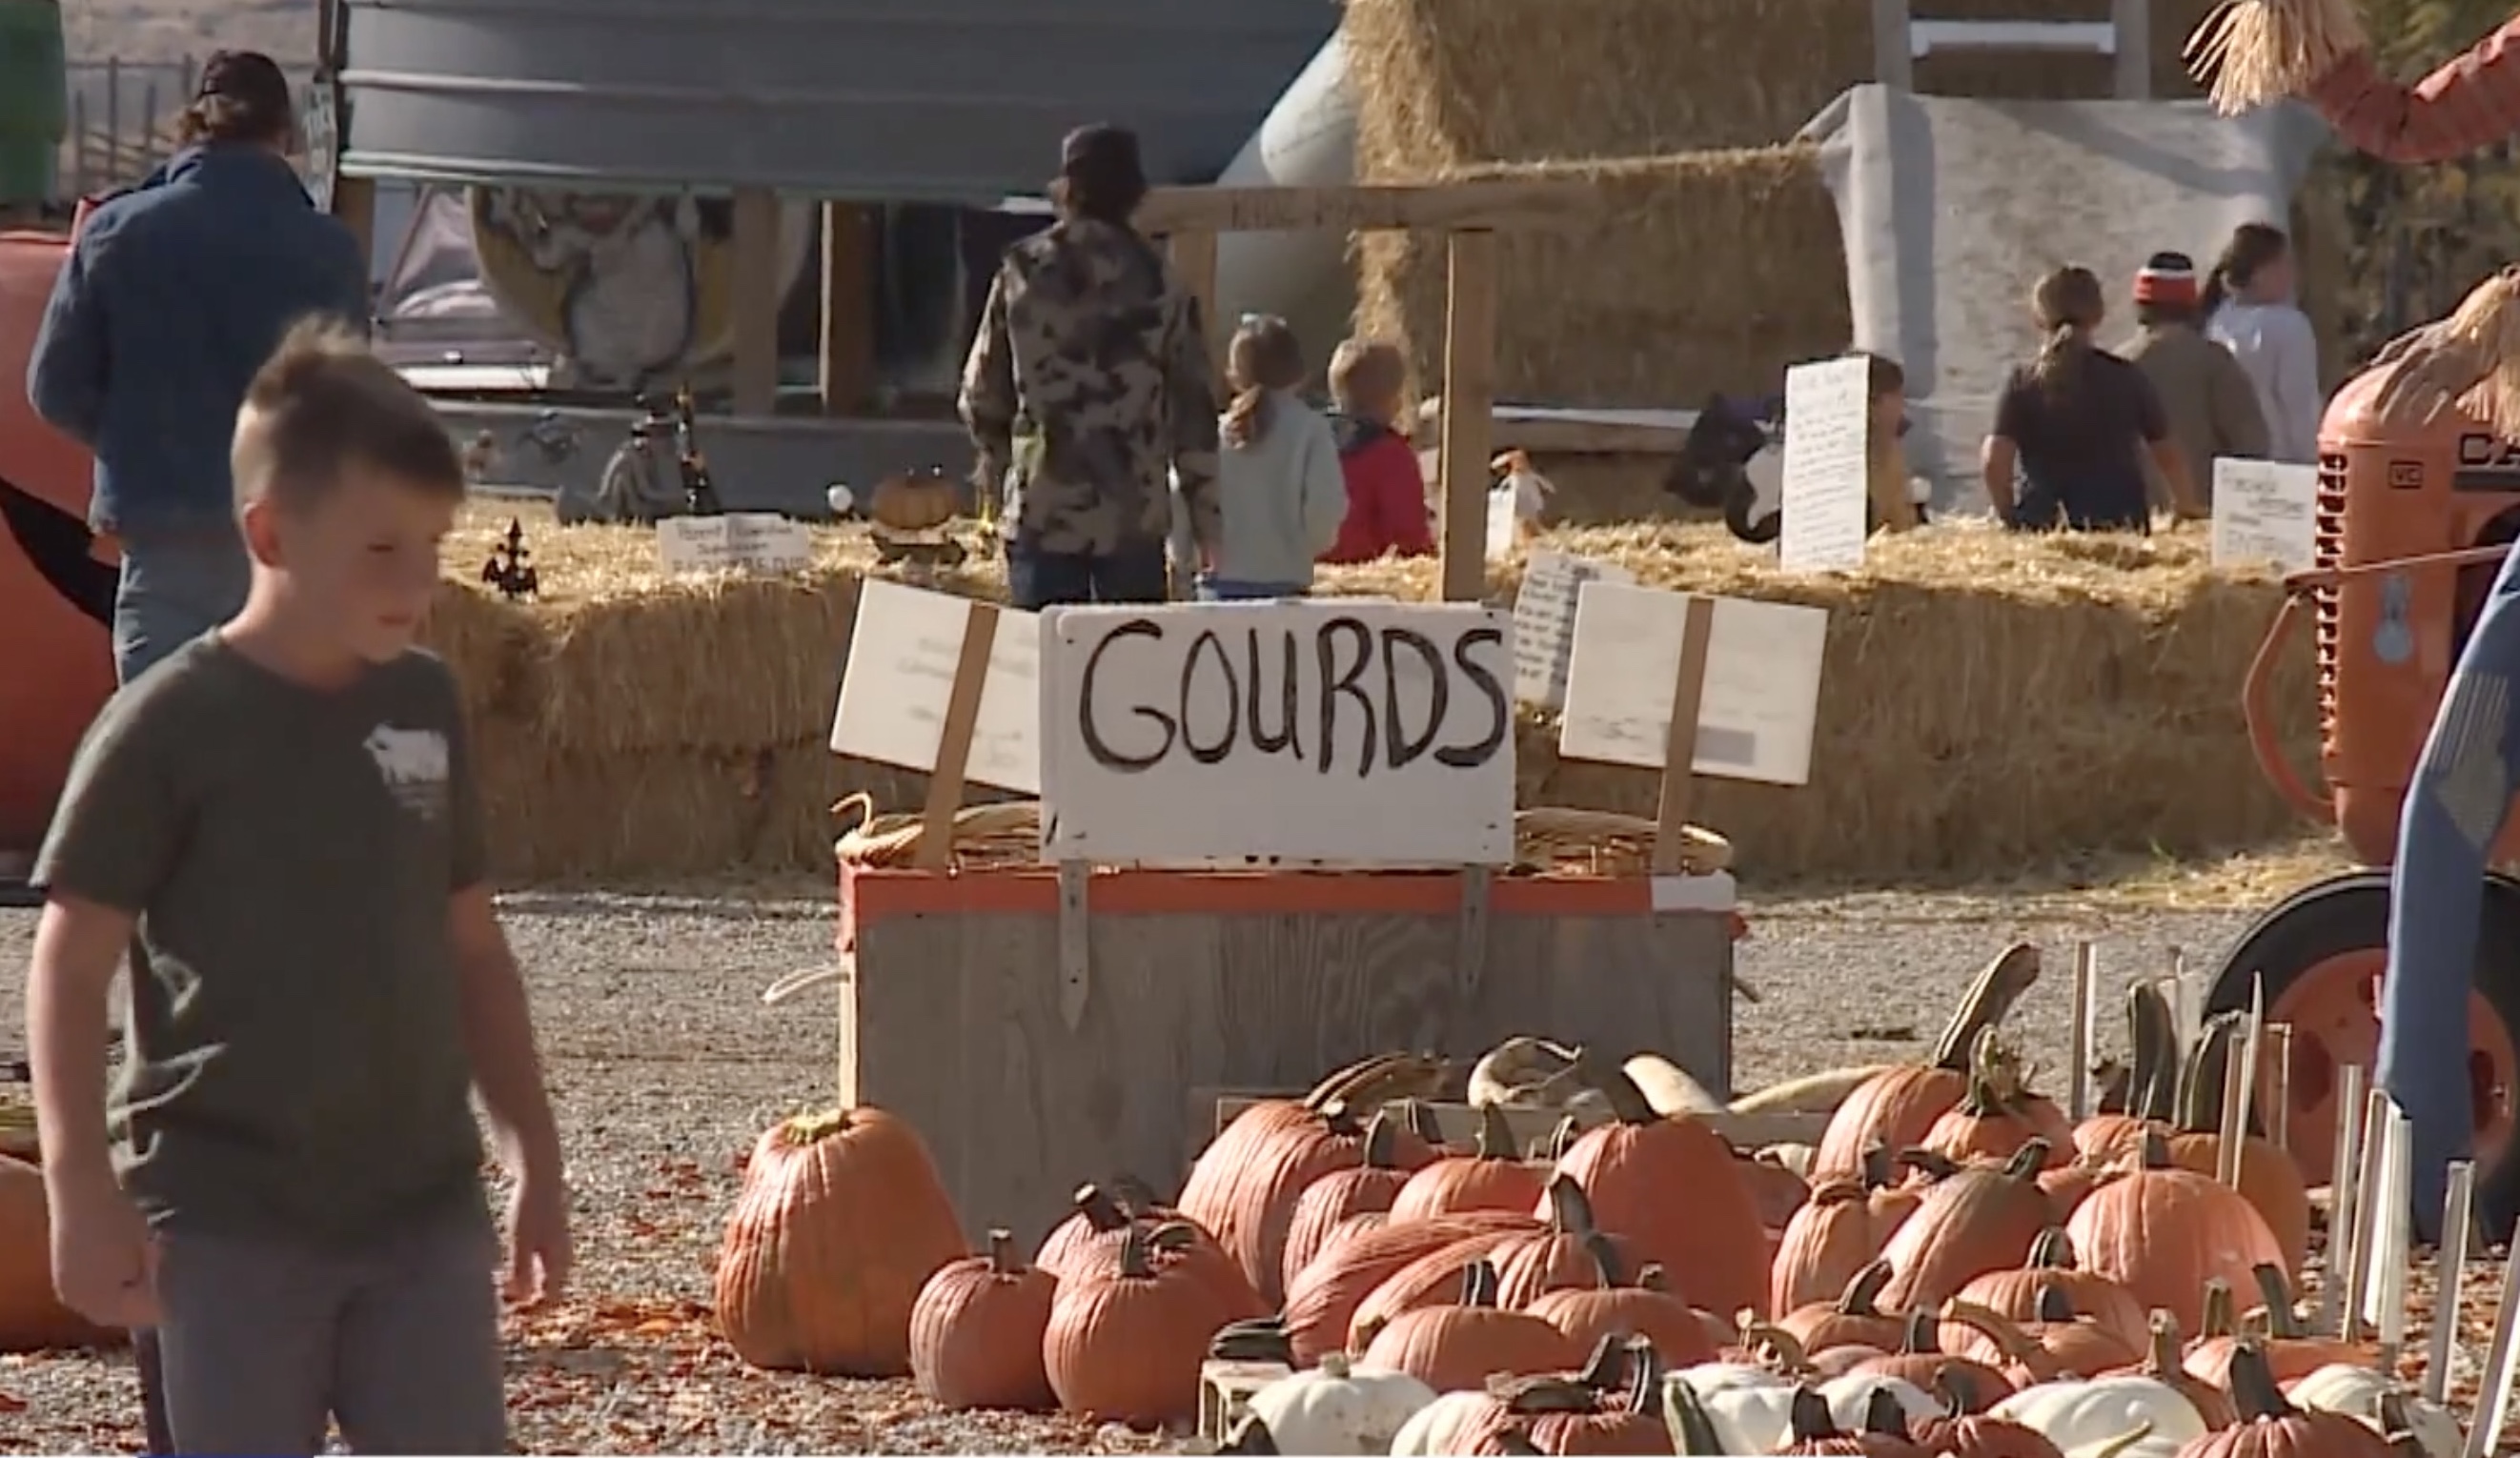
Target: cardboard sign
x=736, y=542
x=2265, y=512
x=1827, y=415
x=903, y=650
x=1762, y=697
x=1331, y=733
x=1544, y=621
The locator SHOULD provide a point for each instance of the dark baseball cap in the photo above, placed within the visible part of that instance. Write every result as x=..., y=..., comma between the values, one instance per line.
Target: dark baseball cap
x=1102, y=156
x=252, y=86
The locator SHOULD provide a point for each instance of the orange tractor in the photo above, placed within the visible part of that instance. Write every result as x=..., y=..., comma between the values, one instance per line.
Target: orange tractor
x=2412, y=526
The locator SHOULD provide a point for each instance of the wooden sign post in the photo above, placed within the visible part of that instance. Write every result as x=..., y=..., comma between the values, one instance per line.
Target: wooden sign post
x=2086, y=981
x=2345, y=1161
x=1679, y=740
x=2458, y=1231
x=954, y=745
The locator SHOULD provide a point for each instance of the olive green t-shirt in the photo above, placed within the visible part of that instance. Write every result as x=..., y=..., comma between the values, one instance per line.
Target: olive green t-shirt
x=297, y=1065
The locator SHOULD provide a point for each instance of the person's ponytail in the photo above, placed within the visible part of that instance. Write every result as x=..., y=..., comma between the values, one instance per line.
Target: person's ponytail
x=2059, y=366
x=2216, y=294
x=1246, y=418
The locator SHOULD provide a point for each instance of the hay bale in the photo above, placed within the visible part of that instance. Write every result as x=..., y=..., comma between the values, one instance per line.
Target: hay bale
x=1707, y=271
x=1991, y=704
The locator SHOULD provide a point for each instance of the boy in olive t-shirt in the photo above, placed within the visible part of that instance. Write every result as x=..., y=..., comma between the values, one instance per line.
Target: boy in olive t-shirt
x=280, y=821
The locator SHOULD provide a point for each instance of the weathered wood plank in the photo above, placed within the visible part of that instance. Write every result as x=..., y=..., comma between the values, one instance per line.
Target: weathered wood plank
x=1499, y=202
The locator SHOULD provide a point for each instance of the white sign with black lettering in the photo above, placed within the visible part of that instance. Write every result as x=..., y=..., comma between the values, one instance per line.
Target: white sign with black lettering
x=1544, y=621
x=1322, y=732
x=735, y=541
x=903, y=650
x=1828, y=412
x=1762, y=699
x=2265, y=511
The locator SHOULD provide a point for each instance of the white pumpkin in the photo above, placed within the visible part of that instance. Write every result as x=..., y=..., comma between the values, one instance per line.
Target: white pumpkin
x=2080, y=1414
x=2355, y=1392
x=2135, y=1442
x=1435, y=1430
x=1338, y=1410
x=1751, y=1408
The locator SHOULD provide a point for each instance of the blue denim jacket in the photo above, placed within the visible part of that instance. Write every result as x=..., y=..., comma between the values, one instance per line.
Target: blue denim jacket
x=173, y=296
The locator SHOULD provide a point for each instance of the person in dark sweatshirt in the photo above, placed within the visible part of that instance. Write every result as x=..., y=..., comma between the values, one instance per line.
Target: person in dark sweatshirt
x=173, y=295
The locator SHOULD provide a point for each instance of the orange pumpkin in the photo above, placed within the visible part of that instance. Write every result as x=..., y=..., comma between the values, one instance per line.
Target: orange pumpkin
x=1922, y=1361
x=1368, y=1189
x=2269, y=1427
x=1613, y=1407
x=2063, y=1341
x=1243, y=1188
x=32, y=1317
x=2270, y=1178
x=975, y=1332
x=1126, y=1347
x=1811, y=1433
x=1431, y=1280
x=1775, y=1190
x=915, y=502
x=1893, y=1109
x=1673, y=1190
x=1983, y=1218
x=1559, y=1258
x=2164, y=1232
x=840, y=1222
x=1998, y=1114
x=2165, y=1363
x=1457, y=1348
x=1855, y=1319
x=2017, y=1295
x=1964, y=1431
x=2290, y=1351
x=1826, y=1242
x=1647, y=1309
x=1494, y=1177
x=1096, y=1223
x=1322, y=1301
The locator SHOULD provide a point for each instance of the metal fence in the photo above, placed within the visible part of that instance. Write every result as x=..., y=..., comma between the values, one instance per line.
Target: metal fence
x=123, y=116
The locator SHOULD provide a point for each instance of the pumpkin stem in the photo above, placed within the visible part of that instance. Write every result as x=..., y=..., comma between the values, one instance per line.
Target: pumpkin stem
x=1335, y=1366
x=1785, y=1350
x=2120, y=1444
x=1134, y=1197
x=1356, y=1075
x=1809, y=1420
x=1381, y=1141
x=2010, y=1340
x=2200, y=1098
x=1653, y=1277
x=1515, y=1443
x=815, y=1127
x=1250, y=1435
x=1881, y=1166
x=1527, y=1396
x=1496, y=1135
x=1919, y=1338
x=2283, y=1322
x=1262, y=1339
x=1883, y=1417
x=2028, y=1160
x=1990, y=996
x=2053, y=1250
x=1605, y=1261
x=2162, y=1361
x=1994, y=1079
x=2221, y=1315
x=1004, y=1259
x=1422, y=1123
x=1929, y=1163
x=1100, y=1212
x=1479, y=1285
x=1607, y=1367
x=1171, y=1238
x=1646, y=1376
x=2253, y=1389
x=2152, y=1032
x=1570, y=1211
x=1628, y=1102
x=1340, y=1119
x=1134, y=1262
x=1957, y=1388
x=2054, y=1304
x=1562, y=1138
x=1692, y=1431
x=2397, y=1425
x=1863, y=1290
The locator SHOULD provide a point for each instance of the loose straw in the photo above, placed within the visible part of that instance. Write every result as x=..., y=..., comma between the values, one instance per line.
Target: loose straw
x=2255, y=53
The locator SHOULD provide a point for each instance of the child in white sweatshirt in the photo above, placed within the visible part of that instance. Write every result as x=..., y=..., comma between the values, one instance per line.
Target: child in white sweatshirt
x=1278, y=481
x=2249, y=309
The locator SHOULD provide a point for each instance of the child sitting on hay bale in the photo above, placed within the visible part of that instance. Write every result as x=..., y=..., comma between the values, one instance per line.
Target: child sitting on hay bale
x=1386, y=492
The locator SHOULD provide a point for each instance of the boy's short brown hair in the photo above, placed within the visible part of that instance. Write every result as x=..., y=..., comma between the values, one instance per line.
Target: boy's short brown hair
x=1883, y=374
x=1368, y=372
x=324, y=403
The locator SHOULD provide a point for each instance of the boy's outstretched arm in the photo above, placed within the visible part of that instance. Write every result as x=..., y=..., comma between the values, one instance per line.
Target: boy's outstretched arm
x=101, y=1256
x=508, y=1074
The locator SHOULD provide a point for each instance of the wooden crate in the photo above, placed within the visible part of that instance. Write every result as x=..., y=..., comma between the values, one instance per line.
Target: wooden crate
x=1035, y=1050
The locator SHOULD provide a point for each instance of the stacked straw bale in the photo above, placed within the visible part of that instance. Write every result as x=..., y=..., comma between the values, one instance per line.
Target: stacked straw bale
x=1992, y=705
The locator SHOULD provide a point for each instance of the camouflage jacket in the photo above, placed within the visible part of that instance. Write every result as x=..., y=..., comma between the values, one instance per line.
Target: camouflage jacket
x=1088, y=378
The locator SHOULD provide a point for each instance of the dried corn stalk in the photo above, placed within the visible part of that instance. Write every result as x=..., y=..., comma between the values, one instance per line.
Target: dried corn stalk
x=2254, y=53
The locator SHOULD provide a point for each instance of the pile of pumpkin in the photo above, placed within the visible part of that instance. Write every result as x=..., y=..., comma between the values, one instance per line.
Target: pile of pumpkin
x=1953, y=1252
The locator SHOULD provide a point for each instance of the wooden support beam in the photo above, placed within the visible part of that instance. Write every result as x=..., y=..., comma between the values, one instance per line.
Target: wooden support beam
x=1469, y=393
x=756, y=301
x=845, y=380
x=2132, y=20
x=1491, y=203
x=1194, y=253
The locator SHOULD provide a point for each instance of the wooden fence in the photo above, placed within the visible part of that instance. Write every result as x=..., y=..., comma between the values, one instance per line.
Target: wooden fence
x=123, y=116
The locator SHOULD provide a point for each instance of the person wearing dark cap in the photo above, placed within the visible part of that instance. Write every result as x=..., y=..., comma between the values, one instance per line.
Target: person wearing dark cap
x=174, y=293
x=1087, y=386
x=2212, y=406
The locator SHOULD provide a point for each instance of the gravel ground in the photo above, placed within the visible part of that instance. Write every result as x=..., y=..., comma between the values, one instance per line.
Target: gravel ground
x=665, y=1065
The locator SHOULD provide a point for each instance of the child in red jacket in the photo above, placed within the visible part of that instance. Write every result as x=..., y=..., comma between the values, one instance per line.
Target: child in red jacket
x=1387, y=494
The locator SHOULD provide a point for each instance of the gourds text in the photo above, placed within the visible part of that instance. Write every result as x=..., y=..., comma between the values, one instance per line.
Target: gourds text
x=1241, y=691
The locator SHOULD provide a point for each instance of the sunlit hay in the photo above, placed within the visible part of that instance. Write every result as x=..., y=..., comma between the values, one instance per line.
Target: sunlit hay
x=1991, y=703
x=2255, y=53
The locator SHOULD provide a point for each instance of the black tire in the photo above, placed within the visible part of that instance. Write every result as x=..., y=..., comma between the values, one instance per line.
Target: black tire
x=1739, y=501
x=2350, y=911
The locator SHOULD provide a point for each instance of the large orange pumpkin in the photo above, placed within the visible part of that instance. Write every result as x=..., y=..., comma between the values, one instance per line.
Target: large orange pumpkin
x=1457, y=1348
x=2270, y=1178
x=1998, y=1114
x=1647, y=1310
x=2164, y=1232
x=975, y=1332
x=1366, y=1189
x=1322, y=1301
x=1983, y=1218
x=2020, y=1294
x=56, y=581
x=1431, y=1280
x=1561, y=1257
x=1494, y=1177
x=1826, y=1242
x=32, y=1317
x=1244, y=1187
x=1125, y=1347
x=2271, y=1427
x=2292, y=1352
x=1896, y=1108
x=1672, y=1189
x=1613, y=1408
x=841, y=1222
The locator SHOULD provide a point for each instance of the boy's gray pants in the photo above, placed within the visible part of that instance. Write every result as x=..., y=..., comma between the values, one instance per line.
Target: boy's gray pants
x=266, y=1344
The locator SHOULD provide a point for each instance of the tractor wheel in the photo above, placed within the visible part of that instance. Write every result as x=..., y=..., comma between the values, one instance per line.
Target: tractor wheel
x=2321, y=952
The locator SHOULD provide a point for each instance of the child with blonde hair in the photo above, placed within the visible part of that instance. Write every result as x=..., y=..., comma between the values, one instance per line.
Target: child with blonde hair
x=1278, y=484
x=1386, y=492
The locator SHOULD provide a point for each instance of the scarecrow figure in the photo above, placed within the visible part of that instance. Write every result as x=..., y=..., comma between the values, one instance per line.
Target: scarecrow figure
x=2261, y=50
